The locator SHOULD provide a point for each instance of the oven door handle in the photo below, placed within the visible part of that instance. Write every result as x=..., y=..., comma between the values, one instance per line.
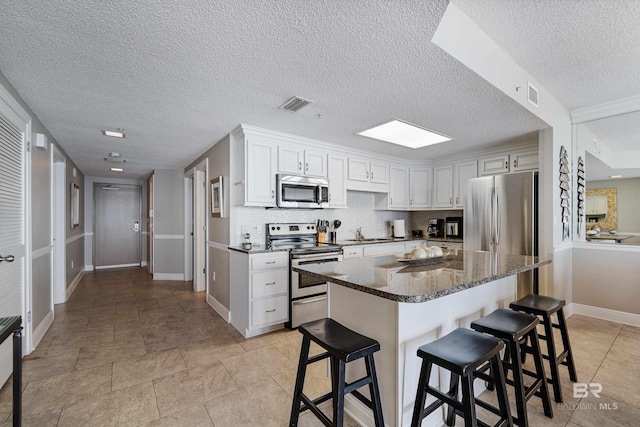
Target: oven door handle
x=309, y=301
x=319, y=256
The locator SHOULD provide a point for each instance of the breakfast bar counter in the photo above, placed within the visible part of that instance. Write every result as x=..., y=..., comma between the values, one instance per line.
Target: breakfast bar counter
x=404, y=305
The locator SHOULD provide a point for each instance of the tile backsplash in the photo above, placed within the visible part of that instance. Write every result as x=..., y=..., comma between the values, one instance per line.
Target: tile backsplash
x=359, y=214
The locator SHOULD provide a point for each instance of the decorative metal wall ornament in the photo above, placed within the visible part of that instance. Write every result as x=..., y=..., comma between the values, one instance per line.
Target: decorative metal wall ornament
x=580, y=190
x=565, y=193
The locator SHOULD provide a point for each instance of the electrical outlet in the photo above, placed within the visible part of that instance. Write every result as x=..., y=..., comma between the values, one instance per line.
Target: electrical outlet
x=244, y=229
x=214, y=276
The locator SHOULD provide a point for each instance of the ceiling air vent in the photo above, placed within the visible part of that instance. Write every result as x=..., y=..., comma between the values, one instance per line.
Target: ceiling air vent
x=532, y=95
x=295, y=103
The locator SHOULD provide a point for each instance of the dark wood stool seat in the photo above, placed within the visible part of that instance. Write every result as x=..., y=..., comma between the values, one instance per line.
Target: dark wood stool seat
x=544, y=307
x=512, y=327
x=461, y=352
x=342, y=345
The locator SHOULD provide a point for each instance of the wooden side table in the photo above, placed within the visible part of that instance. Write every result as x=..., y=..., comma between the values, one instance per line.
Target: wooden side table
x=8, y=326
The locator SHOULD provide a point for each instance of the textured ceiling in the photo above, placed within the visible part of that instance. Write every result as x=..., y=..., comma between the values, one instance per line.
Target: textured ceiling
x=179, y=77
x=586, y=52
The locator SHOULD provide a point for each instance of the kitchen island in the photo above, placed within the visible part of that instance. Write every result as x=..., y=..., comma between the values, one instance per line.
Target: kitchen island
x=404, y=305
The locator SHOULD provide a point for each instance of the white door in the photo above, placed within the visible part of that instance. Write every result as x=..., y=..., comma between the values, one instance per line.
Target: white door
x=199, y=233
x=14, y=296
x=117, y=225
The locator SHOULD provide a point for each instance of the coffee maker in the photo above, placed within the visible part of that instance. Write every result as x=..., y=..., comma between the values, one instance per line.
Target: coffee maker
x=453, y=227
x=436, y=227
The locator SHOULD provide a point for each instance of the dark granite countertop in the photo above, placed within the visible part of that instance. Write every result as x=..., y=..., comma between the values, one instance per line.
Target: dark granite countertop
x=422, y=281
x=378, y=240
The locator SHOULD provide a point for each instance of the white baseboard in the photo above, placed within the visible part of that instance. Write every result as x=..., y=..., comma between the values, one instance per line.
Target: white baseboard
x=168, y=276
x=74, y=283
x=607, y=314
x=219, y=308
x=88, y=267
x=42, y=329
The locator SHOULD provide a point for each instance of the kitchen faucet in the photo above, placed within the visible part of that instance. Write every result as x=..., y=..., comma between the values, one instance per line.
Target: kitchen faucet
x=359, y=235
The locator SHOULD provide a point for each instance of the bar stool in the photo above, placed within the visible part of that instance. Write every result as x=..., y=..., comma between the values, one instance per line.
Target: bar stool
x=511, y=327
x=461, y=352
x=544, y=307
x=342, y=345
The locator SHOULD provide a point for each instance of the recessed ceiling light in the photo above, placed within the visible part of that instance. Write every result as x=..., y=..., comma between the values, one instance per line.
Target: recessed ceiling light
x=114, y=133
x=117, y=169
x=403, y=133
x=615, y=176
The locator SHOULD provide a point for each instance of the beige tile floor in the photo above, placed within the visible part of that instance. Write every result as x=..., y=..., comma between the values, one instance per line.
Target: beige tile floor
x=129, y=351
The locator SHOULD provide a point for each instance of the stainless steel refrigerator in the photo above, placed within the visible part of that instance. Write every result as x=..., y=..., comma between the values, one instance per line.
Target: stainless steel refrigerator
x=501, y=216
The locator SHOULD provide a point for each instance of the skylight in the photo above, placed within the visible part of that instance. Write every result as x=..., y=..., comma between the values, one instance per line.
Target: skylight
x=402, y=133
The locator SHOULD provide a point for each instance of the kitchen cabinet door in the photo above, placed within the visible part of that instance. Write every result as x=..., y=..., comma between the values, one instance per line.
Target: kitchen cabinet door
x=260, y=176
x=420, y=187
x=358, y=170
x=399, y=188
x=290, y=160
x=443, y=187
x=494, y=165
x=337, y=172
x=379, y=172
x=524, y=161
x=463, y=173
x=315, y=163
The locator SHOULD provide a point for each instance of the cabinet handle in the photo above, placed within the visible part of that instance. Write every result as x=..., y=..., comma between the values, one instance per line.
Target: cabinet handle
x=270, y=283
x=450, y=200
x=329, y=196
x=273, y=194
x=391, y=200
x=410, y=201
x=306, y=167
x=371, y=174
x=270, y=262
x=367, y=174
x=270, y=311
x=515, y=163
x=506, y=164
x=457, y=200
x=299, y=165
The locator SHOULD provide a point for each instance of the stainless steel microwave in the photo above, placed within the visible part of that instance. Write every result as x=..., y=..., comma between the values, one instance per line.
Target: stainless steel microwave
x=302, y=192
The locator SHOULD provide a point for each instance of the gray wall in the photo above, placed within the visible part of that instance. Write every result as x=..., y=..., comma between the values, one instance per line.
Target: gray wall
x=168, y=220
x=41, y=214
x=219, y=165
x=628, y=199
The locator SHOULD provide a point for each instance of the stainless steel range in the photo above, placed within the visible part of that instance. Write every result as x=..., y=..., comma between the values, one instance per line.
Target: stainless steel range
x=307, y=295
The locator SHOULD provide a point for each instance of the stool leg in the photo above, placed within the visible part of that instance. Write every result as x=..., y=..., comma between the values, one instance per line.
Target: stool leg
x=423, y=382
x=453, y=392
x=516, y=368
x=297, y=391
x=567, y=346
x=537, y=358
x=501, y=391
x=374, y=391
x=553, y=362
x=338, y=377
x=468, y=401
x=17, y=378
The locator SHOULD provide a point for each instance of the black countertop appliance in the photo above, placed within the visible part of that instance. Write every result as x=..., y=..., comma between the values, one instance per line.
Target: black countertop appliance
x=453, y=227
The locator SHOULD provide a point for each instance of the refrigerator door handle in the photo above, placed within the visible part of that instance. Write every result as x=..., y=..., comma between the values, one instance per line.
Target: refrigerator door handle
x=493, y=217
x=498, y=219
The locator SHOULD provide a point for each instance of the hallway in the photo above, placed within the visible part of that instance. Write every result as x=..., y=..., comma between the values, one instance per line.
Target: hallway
x=129, y=351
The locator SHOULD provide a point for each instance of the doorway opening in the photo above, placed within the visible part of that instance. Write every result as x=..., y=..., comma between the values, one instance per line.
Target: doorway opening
x=58, y=195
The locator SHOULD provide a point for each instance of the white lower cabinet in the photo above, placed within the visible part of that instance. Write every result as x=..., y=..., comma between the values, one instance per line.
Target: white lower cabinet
x=352, y=252
x=259, y=296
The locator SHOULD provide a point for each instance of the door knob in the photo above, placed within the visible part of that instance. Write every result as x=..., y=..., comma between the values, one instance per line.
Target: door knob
x=8, y=258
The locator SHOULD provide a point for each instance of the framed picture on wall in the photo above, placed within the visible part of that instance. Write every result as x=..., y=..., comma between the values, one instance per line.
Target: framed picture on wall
x=75, y=205
x=217, y=198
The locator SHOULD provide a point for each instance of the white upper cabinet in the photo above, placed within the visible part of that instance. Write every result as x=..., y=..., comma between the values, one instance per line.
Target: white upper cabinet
x=494, y=165
x=399, y=187
x=260, y=174
x=420, y=187
x=337, y=172
x=298, y=161
x=315, y=163
x=463, y=173
x=367, y=175
x=516, y=161
x=443, y=186
x=525, y=161
x=290, y=159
